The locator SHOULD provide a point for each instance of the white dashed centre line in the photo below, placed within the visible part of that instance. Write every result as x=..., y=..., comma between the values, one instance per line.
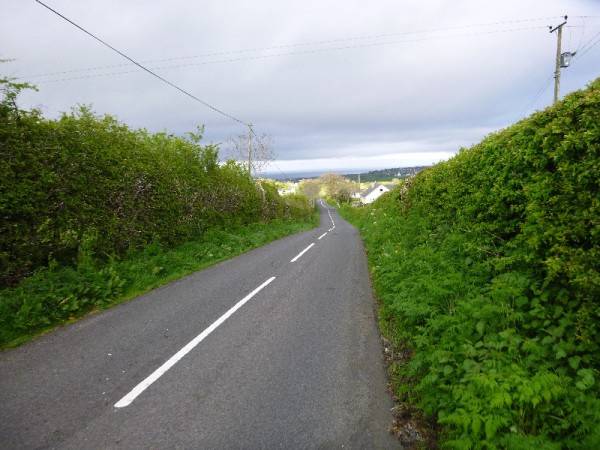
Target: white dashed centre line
x=302, y=253
x=125, y=401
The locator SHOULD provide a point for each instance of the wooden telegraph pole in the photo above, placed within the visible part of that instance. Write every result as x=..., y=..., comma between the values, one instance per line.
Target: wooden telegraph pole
x=558, y=57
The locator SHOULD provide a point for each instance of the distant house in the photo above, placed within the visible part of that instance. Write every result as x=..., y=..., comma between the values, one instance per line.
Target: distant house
x=373, y=193
x=289, y=188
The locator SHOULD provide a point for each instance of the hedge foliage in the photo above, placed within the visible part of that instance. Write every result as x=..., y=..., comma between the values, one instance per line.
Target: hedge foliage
x=85, y=183
x=61, y=294
x=488, y=267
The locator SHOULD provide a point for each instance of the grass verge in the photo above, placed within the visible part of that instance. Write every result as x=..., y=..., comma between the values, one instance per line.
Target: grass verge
x=58, y=294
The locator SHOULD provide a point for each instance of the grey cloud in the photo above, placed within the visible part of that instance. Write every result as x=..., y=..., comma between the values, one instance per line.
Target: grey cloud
x=412, y=90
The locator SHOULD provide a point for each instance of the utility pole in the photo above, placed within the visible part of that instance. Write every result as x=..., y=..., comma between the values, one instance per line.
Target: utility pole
x=250, y=148
x=558, y=57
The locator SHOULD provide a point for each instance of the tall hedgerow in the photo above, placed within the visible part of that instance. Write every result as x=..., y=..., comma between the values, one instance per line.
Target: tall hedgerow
x=89, y=183
x=488, y=267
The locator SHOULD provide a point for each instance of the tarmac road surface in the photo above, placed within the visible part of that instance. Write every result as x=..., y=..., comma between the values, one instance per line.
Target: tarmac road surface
x=276, y=348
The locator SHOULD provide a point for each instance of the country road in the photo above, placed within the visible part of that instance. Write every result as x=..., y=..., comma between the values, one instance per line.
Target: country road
x=276, y=348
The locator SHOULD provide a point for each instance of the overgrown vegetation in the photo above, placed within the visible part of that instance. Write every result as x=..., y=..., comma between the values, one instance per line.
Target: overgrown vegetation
x=81, y=193
x=488, y=269
x=62, y=293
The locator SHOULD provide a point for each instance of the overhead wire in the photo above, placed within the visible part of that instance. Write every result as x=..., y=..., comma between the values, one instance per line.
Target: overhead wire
x=584, y=50
x=159, y=77
x=302, y=52
x=582, y=34
x=536, y=97
x=313, y=43
x=143, y=67
x=310, y=51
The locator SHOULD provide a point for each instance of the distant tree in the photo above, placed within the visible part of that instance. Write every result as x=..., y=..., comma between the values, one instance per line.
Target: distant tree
x=337, y=187
x=255, y=153
x=331, y=182
x=343, y=194
x=310, y=188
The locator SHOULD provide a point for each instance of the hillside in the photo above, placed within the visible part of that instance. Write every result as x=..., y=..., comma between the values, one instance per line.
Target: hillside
x=488, y=271
x=385, y=174
x=365, y=177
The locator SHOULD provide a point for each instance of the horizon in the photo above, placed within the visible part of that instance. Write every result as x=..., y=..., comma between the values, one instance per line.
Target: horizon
x=304, y=174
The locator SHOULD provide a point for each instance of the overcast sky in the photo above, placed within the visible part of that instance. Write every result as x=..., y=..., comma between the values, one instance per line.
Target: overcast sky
x=341, y=85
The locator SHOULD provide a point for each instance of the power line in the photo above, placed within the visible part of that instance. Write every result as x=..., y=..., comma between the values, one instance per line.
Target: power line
x=303, y=44
x=537, y=95
x=258, y=57
x=584, y=50
x=141, y=66
x=582, y=34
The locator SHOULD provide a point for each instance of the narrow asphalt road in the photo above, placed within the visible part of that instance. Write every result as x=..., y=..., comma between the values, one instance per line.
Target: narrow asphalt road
x=277, y=348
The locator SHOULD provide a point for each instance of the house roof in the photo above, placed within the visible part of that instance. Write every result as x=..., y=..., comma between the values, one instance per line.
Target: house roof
x=374, y=188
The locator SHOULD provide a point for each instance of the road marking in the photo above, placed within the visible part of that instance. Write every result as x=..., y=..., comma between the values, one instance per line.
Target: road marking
x=125, y=401
x=322, y=236
x=302, y=253
x=330, y=216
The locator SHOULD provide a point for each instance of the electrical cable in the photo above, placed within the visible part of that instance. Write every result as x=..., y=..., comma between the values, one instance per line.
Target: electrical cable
x=582, y=34
x=330, y=41
x=143, y=67
x=303, y=52
x=584, y=50
x=581, y=50
x=537, y=95
x=580, y=53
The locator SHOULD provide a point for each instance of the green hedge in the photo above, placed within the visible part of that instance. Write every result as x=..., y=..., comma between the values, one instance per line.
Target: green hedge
x=59, y=294
x=488, y=267
x=85, y=183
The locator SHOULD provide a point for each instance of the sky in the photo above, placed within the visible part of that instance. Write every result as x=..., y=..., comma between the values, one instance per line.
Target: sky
x=340, y=85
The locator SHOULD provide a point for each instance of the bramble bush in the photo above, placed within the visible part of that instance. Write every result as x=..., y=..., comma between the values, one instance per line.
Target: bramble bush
x=488, y=267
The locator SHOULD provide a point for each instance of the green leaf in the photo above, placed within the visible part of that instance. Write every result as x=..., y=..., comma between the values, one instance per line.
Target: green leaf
x=586, y=380
x=476, y=426
x=574, y=362
x=480, y=327
x=547, y=340
x=560, y=352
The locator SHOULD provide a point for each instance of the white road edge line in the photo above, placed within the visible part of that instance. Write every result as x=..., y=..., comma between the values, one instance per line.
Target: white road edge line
x=302, y=253
x=322, y=236
x=125, y=401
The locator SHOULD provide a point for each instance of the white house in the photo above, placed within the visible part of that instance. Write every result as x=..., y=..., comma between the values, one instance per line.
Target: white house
x=289, y=188
x=373, y=193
